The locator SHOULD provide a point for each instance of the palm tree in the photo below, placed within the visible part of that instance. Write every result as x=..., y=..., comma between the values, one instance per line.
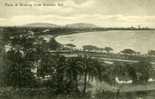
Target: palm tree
x=46, y=65
x=91, y=69
x=73, y=70
x=59, y=73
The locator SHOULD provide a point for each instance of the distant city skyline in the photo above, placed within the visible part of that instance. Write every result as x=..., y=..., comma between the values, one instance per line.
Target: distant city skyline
x=106, y=13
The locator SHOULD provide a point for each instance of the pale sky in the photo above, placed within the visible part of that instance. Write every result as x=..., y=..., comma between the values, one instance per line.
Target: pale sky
x=100, y=12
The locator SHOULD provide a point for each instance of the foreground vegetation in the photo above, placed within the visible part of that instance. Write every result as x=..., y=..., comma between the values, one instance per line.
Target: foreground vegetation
x=46, y=94
x=29, y=67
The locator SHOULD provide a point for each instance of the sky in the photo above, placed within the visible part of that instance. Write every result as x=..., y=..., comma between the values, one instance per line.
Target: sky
x=113, y=13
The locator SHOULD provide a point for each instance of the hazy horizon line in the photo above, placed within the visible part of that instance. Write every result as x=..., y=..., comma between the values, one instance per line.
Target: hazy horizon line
x=60, y=25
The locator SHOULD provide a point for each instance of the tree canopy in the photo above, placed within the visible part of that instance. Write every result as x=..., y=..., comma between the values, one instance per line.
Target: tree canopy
x=128, y=51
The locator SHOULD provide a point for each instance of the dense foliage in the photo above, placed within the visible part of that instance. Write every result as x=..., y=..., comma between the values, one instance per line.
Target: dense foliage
x=30, y=61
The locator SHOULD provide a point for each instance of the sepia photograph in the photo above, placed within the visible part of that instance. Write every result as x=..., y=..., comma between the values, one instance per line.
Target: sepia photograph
x=77, y=49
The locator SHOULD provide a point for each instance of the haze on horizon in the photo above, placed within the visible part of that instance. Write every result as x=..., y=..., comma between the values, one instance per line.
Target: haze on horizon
x=113, y=13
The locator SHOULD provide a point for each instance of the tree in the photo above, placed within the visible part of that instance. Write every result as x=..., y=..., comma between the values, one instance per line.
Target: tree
x=91, y=69
x=73, y=72
x=18, y=71
x=108, y=49
x=2, y=52
x=20, y=58
x=132, y=73
x=46, y=65
x=128, y=51
x=90, y=48
x=54, y=45
x=143, y=71
x=120, y=68
x=54, y=67
x=140, y=72
x=71, y=45
x=151, y=52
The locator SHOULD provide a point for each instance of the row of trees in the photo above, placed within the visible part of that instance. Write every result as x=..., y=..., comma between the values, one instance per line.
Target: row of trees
x=109, y=49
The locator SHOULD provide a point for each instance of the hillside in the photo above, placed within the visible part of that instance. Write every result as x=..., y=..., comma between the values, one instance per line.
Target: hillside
x=80, y=25
x=48, y=25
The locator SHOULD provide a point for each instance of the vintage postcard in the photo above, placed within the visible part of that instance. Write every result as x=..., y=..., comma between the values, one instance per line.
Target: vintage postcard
x=77, y=49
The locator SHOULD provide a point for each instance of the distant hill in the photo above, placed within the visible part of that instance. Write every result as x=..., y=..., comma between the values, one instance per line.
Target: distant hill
x=48, y=25
x=74, y=25
x=80, y=25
